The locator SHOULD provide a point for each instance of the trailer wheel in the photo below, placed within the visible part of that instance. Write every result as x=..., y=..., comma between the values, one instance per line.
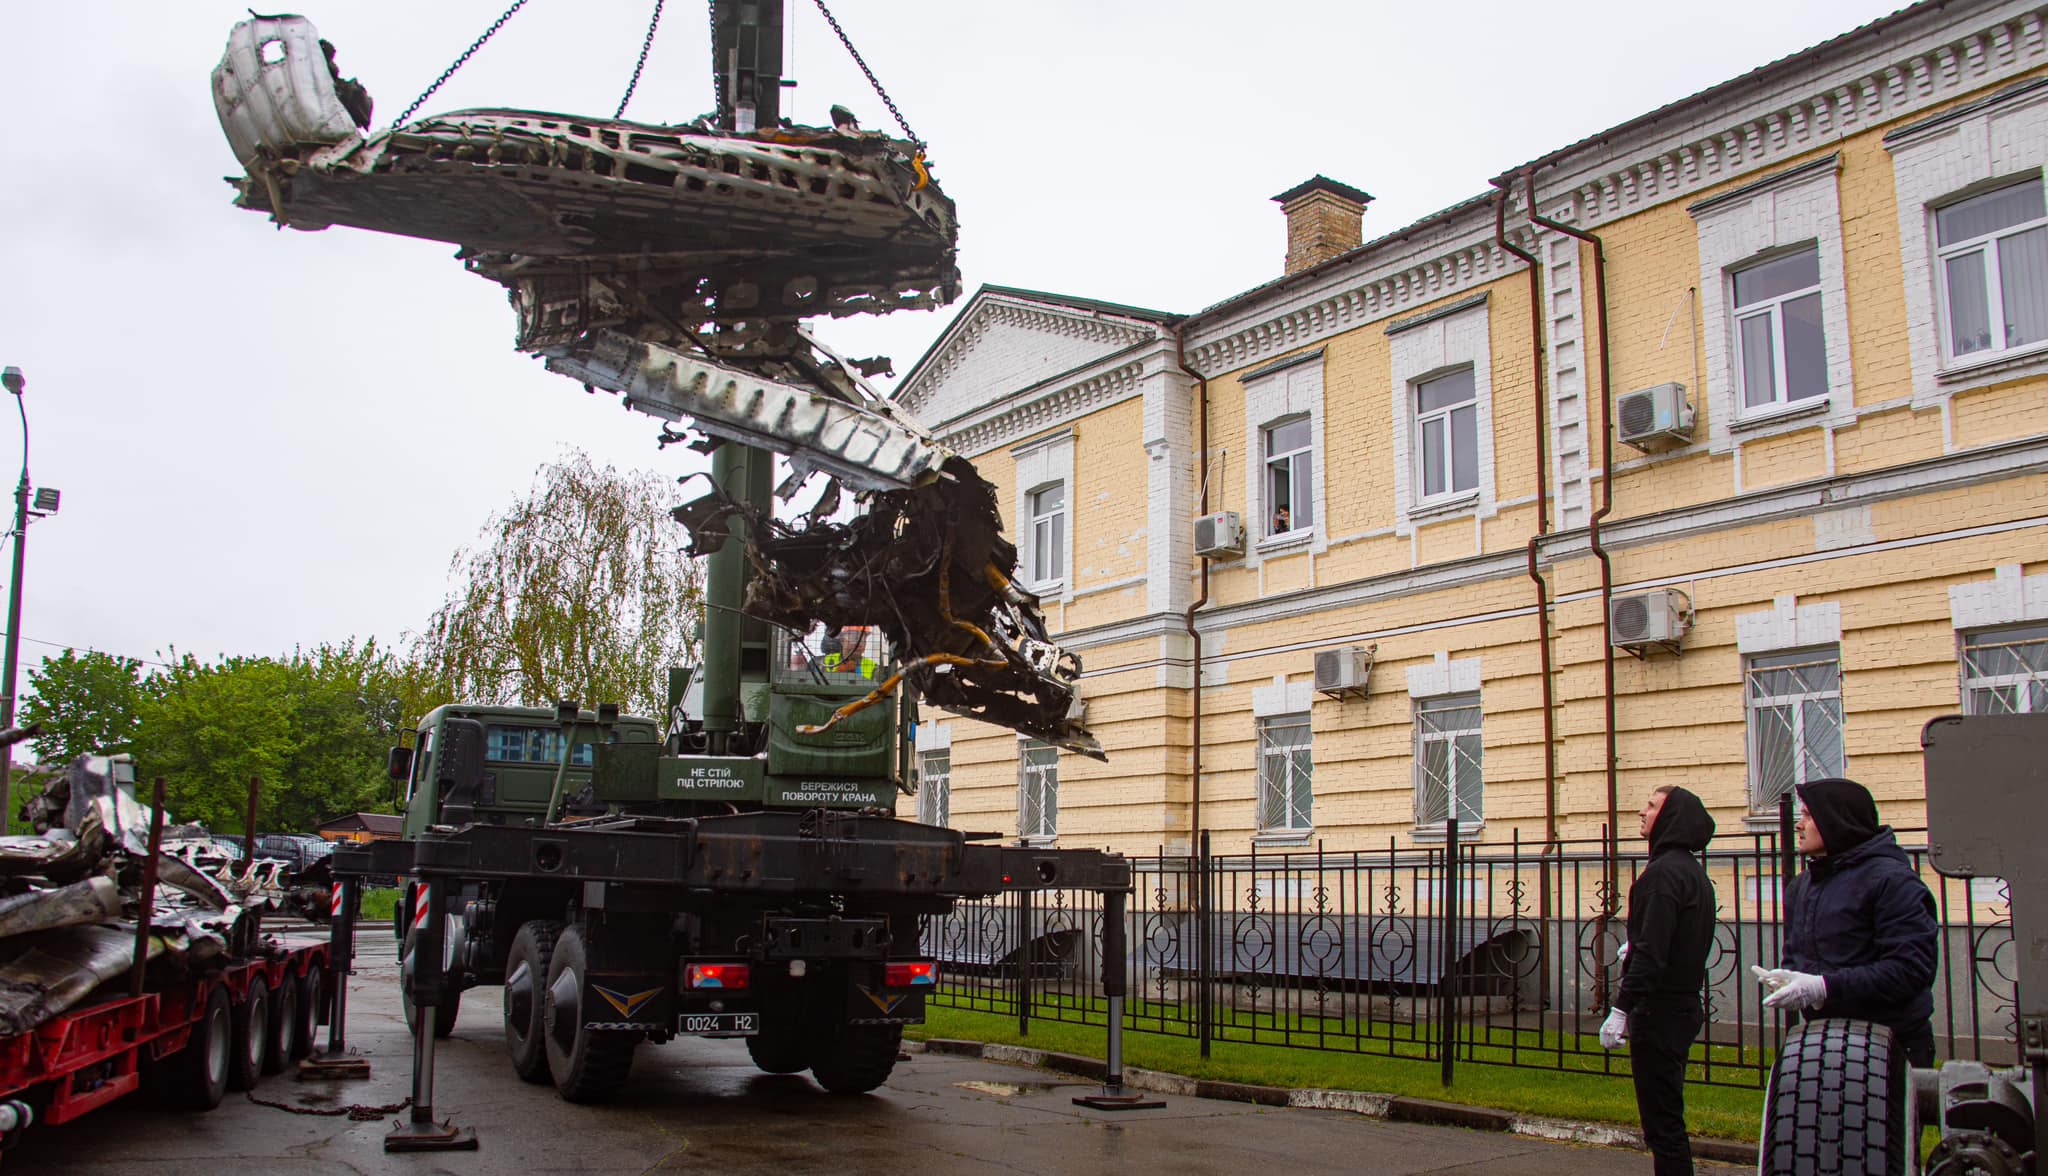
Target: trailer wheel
x=854, y=1059
x=248, y=1060
x=451, y=1002
x=284, y=1025
x=1836, y=1103
x=312, y=1011
x=196, y=1077
x=526, y=983
x=778, y=1050
x=589, y=1065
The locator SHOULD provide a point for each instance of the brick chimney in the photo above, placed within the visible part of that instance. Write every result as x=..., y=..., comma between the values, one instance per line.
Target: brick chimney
x=1323, y=220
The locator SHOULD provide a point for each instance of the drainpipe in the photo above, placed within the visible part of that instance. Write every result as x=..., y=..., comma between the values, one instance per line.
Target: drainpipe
x=1606, y=506
x=1180, y=358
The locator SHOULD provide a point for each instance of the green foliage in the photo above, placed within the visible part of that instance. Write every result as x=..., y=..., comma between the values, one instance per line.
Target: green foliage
x=314, y=727
x=380, y=904
x=86, y=703
x=580, y=591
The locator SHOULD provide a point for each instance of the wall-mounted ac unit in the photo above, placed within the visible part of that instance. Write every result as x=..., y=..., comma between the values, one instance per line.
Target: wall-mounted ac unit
x=1219, y=534
x=1654, y=416
x=1344, y=671
x=1658, y=618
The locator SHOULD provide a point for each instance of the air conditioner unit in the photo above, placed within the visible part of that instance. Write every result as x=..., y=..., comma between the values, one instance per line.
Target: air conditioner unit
x=1344, y=671
x=1646, y=619
x=1219, y=534
x=1654, y=415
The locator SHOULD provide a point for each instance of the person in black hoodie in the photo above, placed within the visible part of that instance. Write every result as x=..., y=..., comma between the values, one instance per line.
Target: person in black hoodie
x=1861, y=934
x=1664, y=967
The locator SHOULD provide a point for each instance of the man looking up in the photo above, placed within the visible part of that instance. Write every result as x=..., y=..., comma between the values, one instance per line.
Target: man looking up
x=1657, y=1008
x=1860, y=925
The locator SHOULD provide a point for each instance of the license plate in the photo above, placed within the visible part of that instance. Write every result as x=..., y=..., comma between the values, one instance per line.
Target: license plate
x=742, y=1024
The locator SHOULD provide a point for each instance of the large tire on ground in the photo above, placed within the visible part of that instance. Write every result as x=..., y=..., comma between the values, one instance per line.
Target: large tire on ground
x=589, y=1065
x=1836, y=1105
x=312, y=1011
x=526, y=986
x=284, y=1025
x=196, y=1077
x=249, y=1060
x=779, y=1047
x=451, y=1000
x=854, y=1059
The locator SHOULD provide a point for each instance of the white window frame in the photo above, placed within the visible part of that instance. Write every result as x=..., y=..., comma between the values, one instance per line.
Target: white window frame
x=1446, y=452
x=1958, y=153
x=1294, y=463
x=1047, y=527
x=1038, y=780
x=1778, y=214
x=1753, y=705
x=1994, y=289
x=935, y=786
x=1040, y=464
x=1774, y=309
x=1286, y=781
x=1456, y=786
x=1274, y=394
x=1424, y=347
x=2028, y=643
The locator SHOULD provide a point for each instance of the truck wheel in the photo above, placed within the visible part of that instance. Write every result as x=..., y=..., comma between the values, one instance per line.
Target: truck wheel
x=196, y=1077
x=526, y=985
x=1836, y=1103
x=312, y=1011
x=451, y=1002
x=855, y=1059
x=589, y=1065
x=249, y=1059
x=284, y=1025
x=778, y=1050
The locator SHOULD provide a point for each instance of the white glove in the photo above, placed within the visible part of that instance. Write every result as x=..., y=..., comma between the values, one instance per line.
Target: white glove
x=1614, y=1029
x=1790, y=990
x=1621, y=955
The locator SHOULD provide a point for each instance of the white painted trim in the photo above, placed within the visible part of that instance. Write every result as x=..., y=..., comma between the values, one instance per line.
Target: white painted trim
x=1287, y=695
x=1441, y=677
x=1041, y=464
x=1429, y=349
x=1787, y=624
x=1295, y=390
x=2007, y=598
x=934, y=736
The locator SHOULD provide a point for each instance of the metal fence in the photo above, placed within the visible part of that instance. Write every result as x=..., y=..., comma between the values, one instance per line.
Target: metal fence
x=1488, y=954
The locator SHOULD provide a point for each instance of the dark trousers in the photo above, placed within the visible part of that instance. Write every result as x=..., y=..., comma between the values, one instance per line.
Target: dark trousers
x=1659, y=1034
x=1916, y=1041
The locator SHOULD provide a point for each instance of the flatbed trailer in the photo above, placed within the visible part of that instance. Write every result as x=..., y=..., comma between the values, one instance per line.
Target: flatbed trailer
x=192, y=1040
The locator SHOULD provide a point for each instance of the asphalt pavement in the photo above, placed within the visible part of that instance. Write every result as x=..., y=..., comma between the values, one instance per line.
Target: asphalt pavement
x=701, y=1106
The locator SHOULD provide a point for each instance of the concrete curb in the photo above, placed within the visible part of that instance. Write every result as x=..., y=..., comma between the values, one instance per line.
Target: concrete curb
x=1392, y=1107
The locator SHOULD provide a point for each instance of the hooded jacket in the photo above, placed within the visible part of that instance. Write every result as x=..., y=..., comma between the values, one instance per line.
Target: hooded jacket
x=1859, y=917
x=1670, y=910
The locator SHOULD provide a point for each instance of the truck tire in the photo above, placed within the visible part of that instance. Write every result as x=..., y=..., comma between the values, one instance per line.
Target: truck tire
x=451, y=1002
x=196, y=1077
x=589, y=1065
x=284, y=1025
x=248, y=1061
x=778, y=1048
x=1836, y=1103
x=854, y=1059
x=526, y=985
x=312, y=1011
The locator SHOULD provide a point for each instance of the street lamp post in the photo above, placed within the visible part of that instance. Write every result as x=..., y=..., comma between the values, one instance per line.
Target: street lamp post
x=12, y=379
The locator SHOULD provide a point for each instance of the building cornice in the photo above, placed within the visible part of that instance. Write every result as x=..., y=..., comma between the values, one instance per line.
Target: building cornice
x=1107, y=381
x=992, y=310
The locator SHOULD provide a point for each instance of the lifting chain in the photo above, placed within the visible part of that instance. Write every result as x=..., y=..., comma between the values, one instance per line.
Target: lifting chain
x=356, y=1112
x=646, y=44
x=862, y=63
x=473, y=47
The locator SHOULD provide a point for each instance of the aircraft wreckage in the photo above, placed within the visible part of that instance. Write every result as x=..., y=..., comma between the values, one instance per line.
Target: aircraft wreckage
x=673, y=264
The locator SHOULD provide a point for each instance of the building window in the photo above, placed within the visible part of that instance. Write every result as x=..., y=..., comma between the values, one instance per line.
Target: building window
x=1290, y=464
x=1038, y=790
x=1795, y=722
x=935, y=787
x=1447, y=434
x=1285, y=771
x=1048, y=533
x=1993, y=257
x=2005, y=671
x=1781, y=351
x=1448, y=756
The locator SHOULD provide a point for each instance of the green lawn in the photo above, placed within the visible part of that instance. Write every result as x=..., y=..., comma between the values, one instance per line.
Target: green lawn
x=380, y=902
x=1566, y=1094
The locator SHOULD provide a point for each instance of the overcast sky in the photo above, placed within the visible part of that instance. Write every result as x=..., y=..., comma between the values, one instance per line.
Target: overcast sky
x=271, y=439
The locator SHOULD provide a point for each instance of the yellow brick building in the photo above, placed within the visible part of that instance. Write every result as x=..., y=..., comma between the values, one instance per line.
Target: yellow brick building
x=1794, y=402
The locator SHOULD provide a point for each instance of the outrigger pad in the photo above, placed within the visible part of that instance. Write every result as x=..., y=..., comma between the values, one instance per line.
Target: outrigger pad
x=407, y=1136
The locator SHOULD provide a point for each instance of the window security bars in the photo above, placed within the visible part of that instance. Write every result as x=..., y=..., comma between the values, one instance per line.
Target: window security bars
x=1285, y=774
x=1038, y=790
x=1794, y=706
x=935, y=788
x=1448, y=755
x=2005, y=672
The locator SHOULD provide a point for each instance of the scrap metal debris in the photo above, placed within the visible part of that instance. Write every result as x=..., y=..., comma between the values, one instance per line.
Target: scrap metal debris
x=673, y=264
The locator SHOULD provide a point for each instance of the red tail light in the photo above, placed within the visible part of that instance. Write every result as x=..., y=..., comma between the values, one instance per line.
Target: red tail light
x=916, y=974
x=726, y=976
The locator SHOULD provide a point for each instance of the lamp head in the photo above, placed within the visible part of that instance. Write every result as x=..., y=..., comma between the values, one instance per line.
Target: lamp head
x=12, y=378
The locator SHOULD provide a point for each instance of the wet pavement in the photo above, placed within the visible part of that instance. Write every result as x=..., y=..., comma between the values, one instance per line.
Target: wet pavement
x=697, y=1105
